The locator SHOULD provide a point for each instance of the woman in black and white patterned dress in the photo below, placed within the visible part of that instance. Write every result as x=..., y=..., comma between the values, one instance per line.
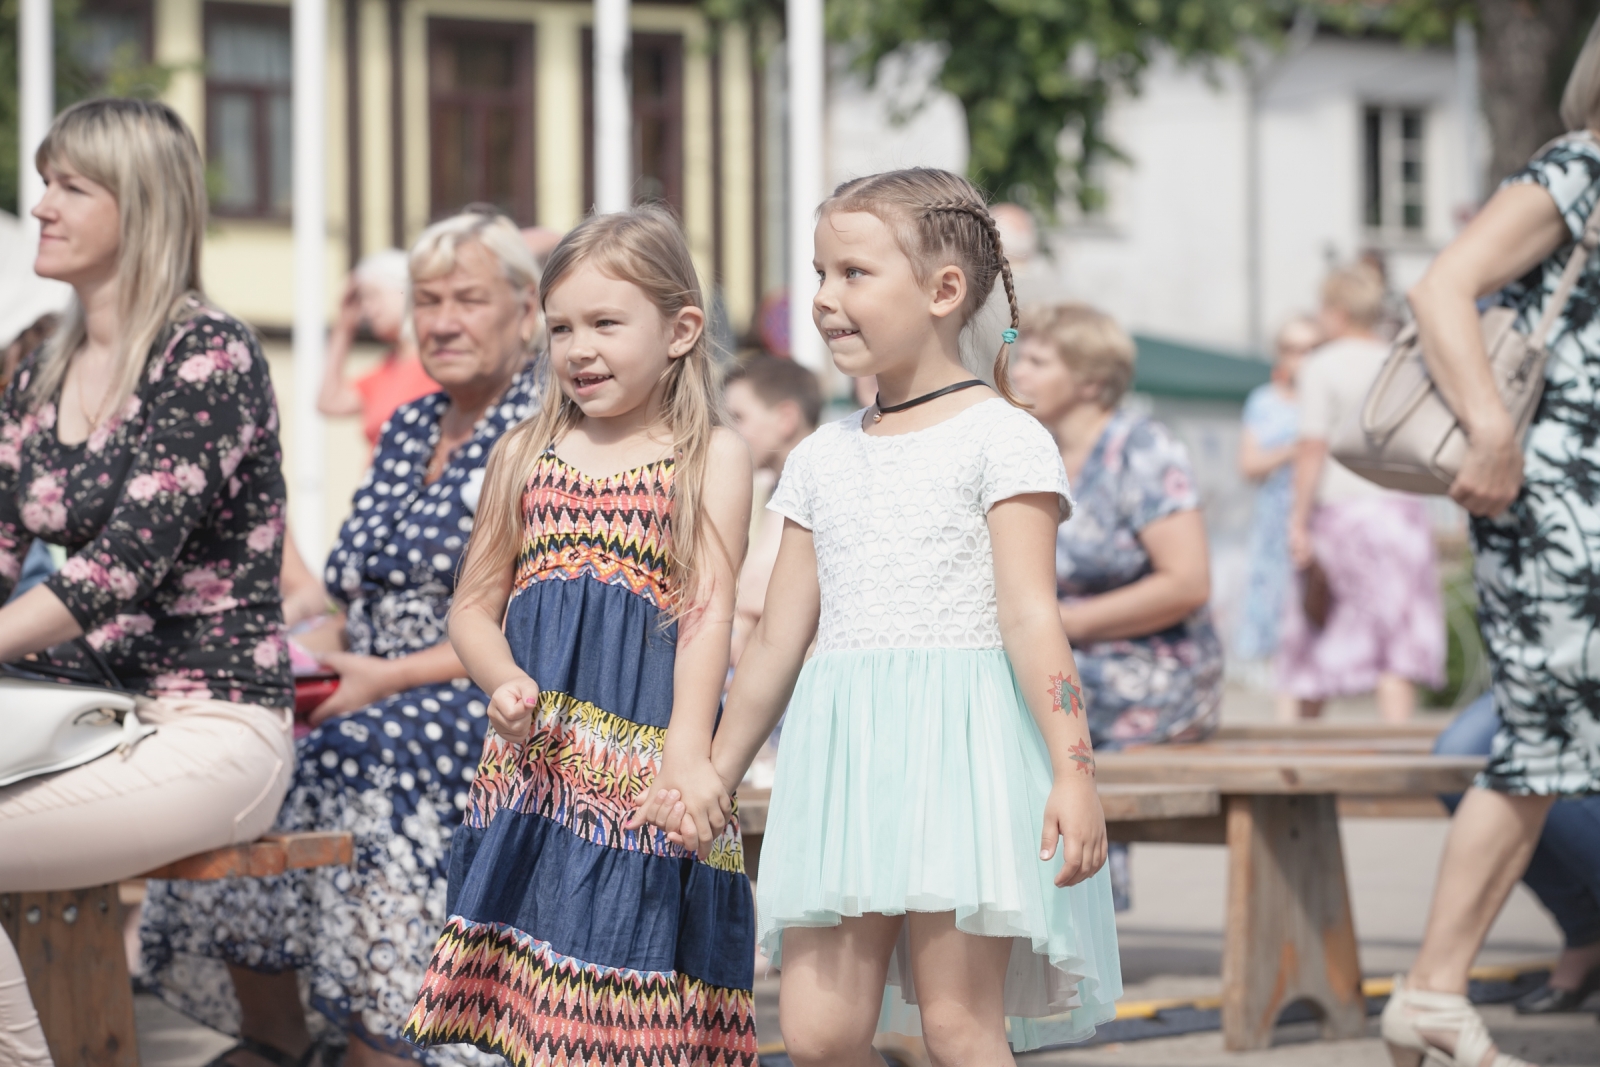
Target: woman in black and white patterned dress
x=1536, y=535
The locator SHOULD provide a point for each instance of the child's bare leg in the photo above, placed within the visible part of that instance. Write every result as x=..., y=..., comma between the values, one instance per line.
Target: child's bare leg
x=960, y=982
x=831, y=990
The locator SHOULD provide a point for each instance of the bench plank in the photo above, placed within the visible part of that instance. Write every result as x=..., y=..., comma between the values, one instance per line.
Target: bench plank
x=1377, y=774
x=272, y=854
x=1426, y=729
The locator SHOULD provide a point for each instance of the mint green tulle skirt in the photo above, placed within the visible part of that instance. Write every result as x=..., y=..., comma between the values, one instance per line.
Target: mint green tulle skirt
x=916, y=780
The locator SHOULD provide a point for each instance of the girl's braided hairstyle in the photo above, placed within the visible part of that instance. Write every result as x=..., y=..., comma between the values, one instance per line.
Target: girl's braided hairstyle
x=939, y=218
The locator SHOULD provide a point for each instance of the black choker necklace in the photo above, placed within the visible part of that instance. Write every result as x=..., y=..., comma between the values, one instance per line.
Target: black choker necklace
x=923, y=399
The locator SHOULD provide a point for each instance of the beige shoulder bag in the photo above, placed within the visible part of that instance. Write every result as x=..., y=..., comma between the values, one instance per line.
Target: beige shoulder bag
x=1406, y=437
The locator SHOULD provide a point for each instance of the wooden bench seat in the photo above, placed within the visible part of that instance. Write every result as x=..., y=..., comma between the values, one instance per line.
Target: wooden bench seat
x=72, y=950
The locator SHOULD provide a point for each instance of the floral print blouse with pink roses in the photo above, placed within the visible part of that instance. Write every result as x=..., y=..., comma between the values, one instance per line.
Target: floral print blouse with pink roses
x=172, y=513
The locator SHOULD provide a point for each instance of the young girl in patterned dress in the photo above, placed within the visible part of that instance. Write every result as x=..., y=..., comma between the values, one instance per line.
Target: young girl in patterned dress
x=596, y=607
x=919, y=808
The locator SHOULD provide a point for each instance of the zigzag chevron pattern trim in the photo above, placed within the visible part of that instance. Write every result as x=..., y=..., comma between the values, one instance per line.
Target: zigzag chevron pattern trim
x=612, y=529
x=495, y=987
x=584, y=768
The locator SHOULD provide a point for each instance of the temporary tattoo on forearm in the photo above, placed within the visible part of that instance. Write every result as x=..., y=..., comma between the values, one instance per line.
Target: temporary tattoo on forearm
x=1064, y=696
x=1083, y=757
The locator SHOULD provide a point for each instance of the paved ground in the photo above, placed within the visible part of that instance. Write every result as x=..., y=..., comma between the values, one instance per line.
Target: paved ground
x=1172, y=945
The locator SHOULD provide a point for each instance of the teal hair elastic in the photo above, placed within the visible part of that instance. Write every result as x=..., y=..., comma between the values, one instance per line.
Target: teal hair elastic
x=1009, y=336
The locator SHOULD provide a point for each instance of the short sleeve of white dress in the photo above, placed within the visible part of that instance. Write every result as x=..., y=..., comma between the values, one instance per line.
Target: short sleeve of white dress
x=792, y=498
x=1020, y=457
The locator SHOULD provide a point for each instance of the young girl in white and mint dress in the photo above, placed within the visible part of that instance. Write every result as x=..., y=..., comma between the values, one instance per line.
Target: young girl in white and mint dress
x=935, y=841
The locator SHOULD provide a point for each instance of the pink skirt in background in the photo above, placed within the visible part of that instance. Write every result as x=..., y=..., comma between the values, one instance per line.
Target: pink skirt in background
x=1388, y=614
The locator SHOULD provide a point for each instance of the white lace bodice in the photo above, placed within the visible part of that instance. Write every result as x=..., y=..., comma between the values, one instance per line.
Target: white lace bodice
x=901, y=523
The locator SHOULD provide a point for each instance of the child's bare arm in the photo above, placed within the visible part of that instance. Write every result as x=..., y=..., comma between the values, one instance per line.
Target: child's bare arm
x=1023, y=532
x=772, y=660
x=700, y=666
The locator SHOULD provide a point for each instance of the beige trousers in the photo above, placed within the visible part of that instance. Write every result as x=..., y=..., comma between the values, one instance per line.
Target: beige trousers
x=212, y=774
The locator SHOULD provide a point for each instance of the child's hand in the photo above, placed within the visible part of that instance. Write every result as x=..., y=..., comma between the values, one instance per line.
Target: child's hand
x=1073, y=816
x=688, y=801
x=511, y=708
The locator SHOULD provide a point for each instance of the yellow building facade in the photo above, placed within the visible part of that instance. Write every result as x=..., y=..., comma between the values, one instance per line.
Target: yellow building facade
x=432, y=104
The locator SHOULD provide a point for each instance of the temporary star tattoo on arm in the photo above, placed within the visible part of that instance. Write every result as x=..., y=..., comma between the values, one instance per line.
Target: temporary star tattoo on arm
x=1083, y=757
x=1064, y=696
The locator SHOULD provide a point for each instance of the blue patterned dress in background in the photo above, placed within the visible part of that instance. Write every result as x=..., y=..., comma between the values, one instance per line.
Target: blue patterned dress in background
x=1274, y=420
x=396, y=773
x=1164, y=686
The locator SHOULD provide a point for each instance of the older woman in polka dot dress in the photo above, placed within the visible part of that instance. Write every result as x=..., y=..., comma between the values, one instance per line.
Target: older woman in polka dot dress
x=394, y=751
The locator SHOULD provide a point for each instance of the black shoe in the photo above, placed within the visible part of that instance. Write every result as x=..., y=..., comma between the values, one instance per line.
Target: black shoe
x=1547, y=1000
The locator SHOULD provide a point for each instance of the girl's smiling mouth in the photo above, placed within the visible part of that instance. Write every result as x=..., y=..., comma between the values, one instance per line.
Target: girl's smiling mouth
x=588, y=383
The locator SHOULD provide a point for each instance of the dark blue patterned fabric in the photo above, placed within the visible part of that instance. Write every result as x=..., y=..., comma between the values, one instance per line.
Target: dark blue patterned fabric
x=396, y=773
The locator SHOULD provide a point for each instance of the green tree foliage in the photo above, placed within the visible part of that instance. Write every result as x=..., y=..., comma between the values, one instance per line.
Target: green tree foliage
x=1027, y=71
x=127, y=75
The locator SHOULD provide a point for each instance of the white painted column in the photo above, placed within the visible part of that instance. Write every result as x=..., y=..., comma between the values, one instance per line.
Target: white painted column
x=807, y=179
x=310, y=28
x=36, y=79
x=1468, y=100
x=613, y=107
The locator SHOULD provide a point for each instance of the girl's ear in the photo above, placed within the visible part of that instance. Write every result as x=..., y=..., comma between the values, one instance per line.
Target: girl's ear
x=684, y=331
x=949, y=291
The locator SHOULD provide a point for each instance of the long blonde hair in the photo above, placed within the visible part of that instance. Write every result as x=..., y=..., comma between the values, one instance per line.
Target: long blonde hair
x=145, y=156
x=939, y=218
x=643, y=247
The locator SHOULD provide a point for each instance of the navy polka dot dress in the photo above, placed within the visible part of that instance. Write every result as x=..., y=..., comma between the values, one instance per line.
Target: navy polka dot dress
x=396, y=773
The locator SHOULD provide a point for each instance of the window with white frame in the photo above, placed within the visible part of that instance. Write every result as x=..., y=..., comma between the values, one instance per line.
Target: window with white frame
x=1393, y=145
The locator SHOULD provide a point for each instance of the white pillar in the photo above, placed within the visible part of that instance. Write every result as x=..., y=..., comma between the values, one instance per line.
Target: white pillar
x=613, y=107
x=36, y=79
x=310, y=269
x=807, y=181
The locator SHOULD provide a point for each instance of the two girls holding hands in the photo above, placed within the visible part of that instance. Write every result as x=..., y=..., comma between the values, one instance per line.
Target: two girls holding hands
x=934, y=828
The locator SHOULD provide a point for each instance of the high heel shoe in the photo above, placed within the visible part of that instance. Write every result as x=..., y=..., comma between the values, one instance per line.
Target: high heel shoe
x=1412, y=1011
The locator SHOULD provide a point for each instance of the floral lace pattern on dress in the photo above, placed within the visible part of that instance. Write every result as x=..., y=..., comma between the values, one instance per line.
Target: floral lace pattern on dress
x=172, y=512
x=903, y=523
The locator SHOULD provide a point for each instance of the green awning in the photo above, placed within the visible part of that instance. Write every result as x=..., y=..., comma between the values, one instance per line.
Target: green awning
x=1176, y=369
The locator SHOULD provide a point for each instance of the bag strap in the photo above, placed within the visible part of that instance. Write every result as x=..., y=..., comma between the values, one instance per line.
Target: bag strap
x=1569, y=277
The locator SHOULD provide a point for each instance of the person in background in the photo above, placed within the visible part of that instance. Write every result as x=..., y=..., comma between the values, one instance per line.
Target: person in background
x=1266, y=452
x=304, y=598
x=773, y=404
x=376, y=295
x=1385, y=629
x=541, y=241
x=174, y=524
x=1133, y=574
x=393, y=753
x=40, y=562
x=1564, y=872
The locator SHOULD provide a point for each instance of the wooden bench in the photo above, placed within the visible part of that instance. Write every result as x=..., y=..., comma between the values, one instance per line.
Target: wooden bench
x=72, y=949
x=1289, y=934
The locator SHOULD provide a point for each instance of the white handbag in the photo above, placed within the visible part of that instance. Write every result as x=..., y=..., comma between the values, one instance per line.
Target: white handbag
x=51, y=726
x=1405, y=436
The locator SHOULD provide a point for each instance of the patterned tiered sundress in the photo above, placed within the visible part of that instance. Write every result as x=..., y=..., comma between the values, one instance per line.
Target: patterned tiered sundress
x=570, y=938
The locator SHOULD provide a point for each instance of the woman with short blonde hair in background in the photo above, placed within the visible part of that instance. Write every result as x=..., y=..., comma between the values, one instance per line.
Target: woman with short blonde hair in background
x=393, y=751
x=1535, y=537
x=142, y=438
x=1133, y=575
x=1384, y=630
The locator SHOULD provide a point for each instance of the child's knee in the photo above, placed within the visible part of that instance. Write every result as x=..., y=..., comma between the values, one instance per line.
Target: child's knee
x=813, y=1038
x=954, y=1035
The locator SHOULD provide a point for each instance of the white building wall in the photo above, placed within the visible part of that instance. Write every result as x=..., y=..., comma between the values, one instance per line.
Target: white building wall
x=1169, y=255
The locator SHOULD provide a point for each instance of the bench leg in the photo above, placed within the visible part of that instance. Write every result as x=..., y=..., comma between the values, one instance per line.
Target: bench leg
x=1290, y=935
x=73, y=954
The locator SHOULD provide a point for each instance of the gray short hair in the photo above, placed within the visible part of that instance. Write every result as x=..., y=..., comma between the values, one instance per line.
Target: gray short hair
x=390, y=268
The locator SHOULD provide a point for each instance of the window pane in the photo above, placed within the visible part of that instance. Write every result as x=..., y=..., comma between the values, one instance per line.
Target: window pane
x=233, y=149
x=246, y=50
x=101, y=34
x=452, y=148
x=1372, y=168
x=280, y=134
x=500, y=158
x=484, y=64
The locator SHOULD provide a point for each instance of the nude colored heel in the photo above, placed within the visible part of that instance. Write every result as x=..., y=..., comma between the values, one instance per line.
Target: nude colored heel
x=1411, y=1011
